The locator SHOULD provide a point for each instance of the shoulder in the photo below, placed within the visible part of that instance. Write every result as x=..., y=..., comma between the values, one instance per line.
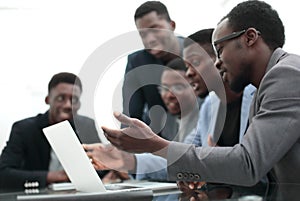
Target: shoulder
x=29, y=126
x=83, y=119
x=141, y=57
x=282, y=79
x=27, y=122
x=138, y=55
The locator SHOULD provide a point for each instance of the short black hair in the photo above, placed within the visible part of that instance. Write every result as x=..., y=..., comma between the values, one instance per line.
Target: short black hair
x=150, y=6
x=176, y=64
x=64, y=77
x=202, y=37
x=261, y=16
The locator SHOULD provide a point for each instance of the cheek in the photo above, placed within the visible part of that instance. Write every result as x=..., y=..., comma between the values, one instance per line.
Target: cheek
x=76, y=107
x=164, y=39
x=164, y=98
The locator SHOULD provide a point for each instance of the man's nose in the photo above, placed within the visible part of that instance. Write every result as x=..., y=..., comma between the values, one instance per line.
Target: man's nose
x=218, y=63
x=189, y=72
x=68, y=103
x=169, y=94
x=149, y=39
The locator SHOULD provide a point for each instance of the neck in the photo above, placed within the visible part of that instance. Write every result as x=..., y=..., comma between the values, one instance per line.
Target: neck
x=231, y=96
x=173, y=52
x=261, y=64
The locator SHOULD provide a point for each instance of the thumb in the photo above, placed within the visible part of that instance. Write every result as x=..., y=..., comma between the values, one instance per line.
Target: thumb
x=123, y=118
x=128, y=121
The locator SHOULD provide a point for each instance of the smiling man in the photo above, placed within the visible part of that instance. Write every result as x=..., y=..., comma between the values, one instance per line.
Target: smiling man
x=181, y=101
x=27, y=158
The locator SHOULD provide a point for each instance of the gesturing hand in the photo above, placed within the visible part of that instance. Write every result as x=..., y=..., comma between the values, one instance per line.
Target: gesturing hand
x=137, y=137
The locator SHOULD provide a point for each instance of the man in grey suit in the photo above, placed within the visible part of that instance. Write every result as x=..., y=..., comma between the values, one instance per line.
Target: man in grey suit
x=248, y=43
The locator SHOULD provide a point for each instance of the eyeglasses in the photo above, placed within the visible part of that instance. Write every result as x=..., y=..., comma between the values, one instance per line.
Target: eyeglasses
x=225, y=38
x=176, y=88
x=230, y=36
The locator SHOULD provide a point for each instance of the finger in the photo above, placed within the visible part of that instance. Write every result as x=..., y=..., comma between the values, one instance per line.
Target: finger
x=88, y=147
x=113, y=141
x=113, y=133
x=192, y=199
x=123, y=175
x=123, y=118
x=99, y=166
x=200, y=184
x=191, y=186
x=89, y=154
x=183, y=186
x=210, y=141
x=107, y=147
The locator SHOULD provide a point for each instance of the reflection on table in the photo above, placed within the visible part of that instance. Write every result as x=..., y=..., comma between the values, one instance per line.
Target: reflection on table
x=260, y=192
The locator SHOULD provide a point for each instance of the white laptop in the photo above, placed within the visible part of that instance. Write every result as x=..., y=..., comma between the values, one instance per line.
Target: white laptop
x=78, y=167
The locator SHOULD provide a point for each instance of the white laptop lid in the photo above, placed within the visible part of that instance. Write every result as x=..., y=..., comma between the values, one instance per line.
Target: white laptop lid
x=80, y=170
x=73, y=158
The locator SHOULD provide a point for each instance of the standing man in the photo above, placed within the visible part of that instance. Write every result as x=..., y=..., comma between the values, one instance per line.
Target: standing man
x=144, y=67
x=28, y=158
x=248, y=43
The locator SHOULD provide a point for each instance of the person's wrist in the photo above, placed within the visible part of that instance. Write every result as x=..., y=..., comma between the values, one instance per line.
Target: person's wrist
x=130, y=163
x=160, y=148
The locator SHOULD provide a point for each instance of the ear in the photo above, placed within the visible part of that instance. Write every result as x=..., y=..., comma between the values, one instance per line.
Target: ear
x=173, y=25
x=47, y=100
x=252, y=35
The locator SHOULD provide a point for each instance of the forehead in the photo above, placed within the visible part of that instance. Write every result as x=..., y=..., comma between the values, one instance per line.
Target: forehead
x=194, y=50
x=173, y=76
x=66, y=88
x=150, y=20
x=223, y=29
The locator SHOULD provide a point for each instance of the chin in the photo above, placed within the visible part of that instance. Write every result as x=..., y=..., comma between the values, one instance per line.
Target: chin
x=66, y=118
x=174, y=112
x=238, y=87
x=203, y=94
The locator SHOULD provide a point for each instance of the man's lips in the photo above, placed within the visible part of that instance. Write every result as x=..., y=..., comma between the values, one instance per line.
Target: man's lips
x=223, y=73
x=195, y=86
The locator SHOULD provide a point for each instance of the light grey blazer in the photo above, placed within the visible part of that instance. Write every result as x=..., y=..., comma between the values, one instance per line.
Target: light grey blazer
x=271, y=143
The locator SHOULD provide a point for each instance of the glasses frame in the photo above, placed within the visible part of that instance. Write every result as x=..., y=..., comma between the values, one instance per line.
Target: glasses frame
x=164, y=89
x=233, y=35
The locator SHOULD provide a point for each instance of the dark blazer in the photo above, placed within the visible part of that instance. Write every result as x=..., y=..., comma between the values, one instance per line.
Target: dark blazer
x=26, y=156
x=142, y=76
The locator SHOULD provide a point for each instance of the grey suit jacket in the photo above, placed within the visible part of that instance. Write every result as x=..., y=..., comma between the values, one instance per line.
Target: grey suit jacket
x=271, y=144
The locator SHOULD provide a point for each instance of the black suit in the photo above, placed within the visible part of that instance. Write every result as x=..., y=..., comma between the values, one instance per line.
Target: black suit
x=26, y=156
x=142, y=76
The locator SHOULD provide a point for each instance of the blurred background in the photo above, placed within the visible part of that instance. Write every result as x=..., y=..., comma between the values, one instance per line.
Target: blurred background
x=40, y=38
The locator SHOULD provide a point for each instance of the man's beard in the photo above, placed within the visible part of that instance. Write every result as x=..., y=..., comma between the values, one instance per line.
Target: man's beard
x=239, y=84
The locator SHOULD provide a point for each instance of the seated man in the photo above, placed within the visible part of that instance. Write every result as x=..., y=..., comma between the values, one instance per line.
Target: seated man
x=225, y=120
x=181, y=102
x=27, y=157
